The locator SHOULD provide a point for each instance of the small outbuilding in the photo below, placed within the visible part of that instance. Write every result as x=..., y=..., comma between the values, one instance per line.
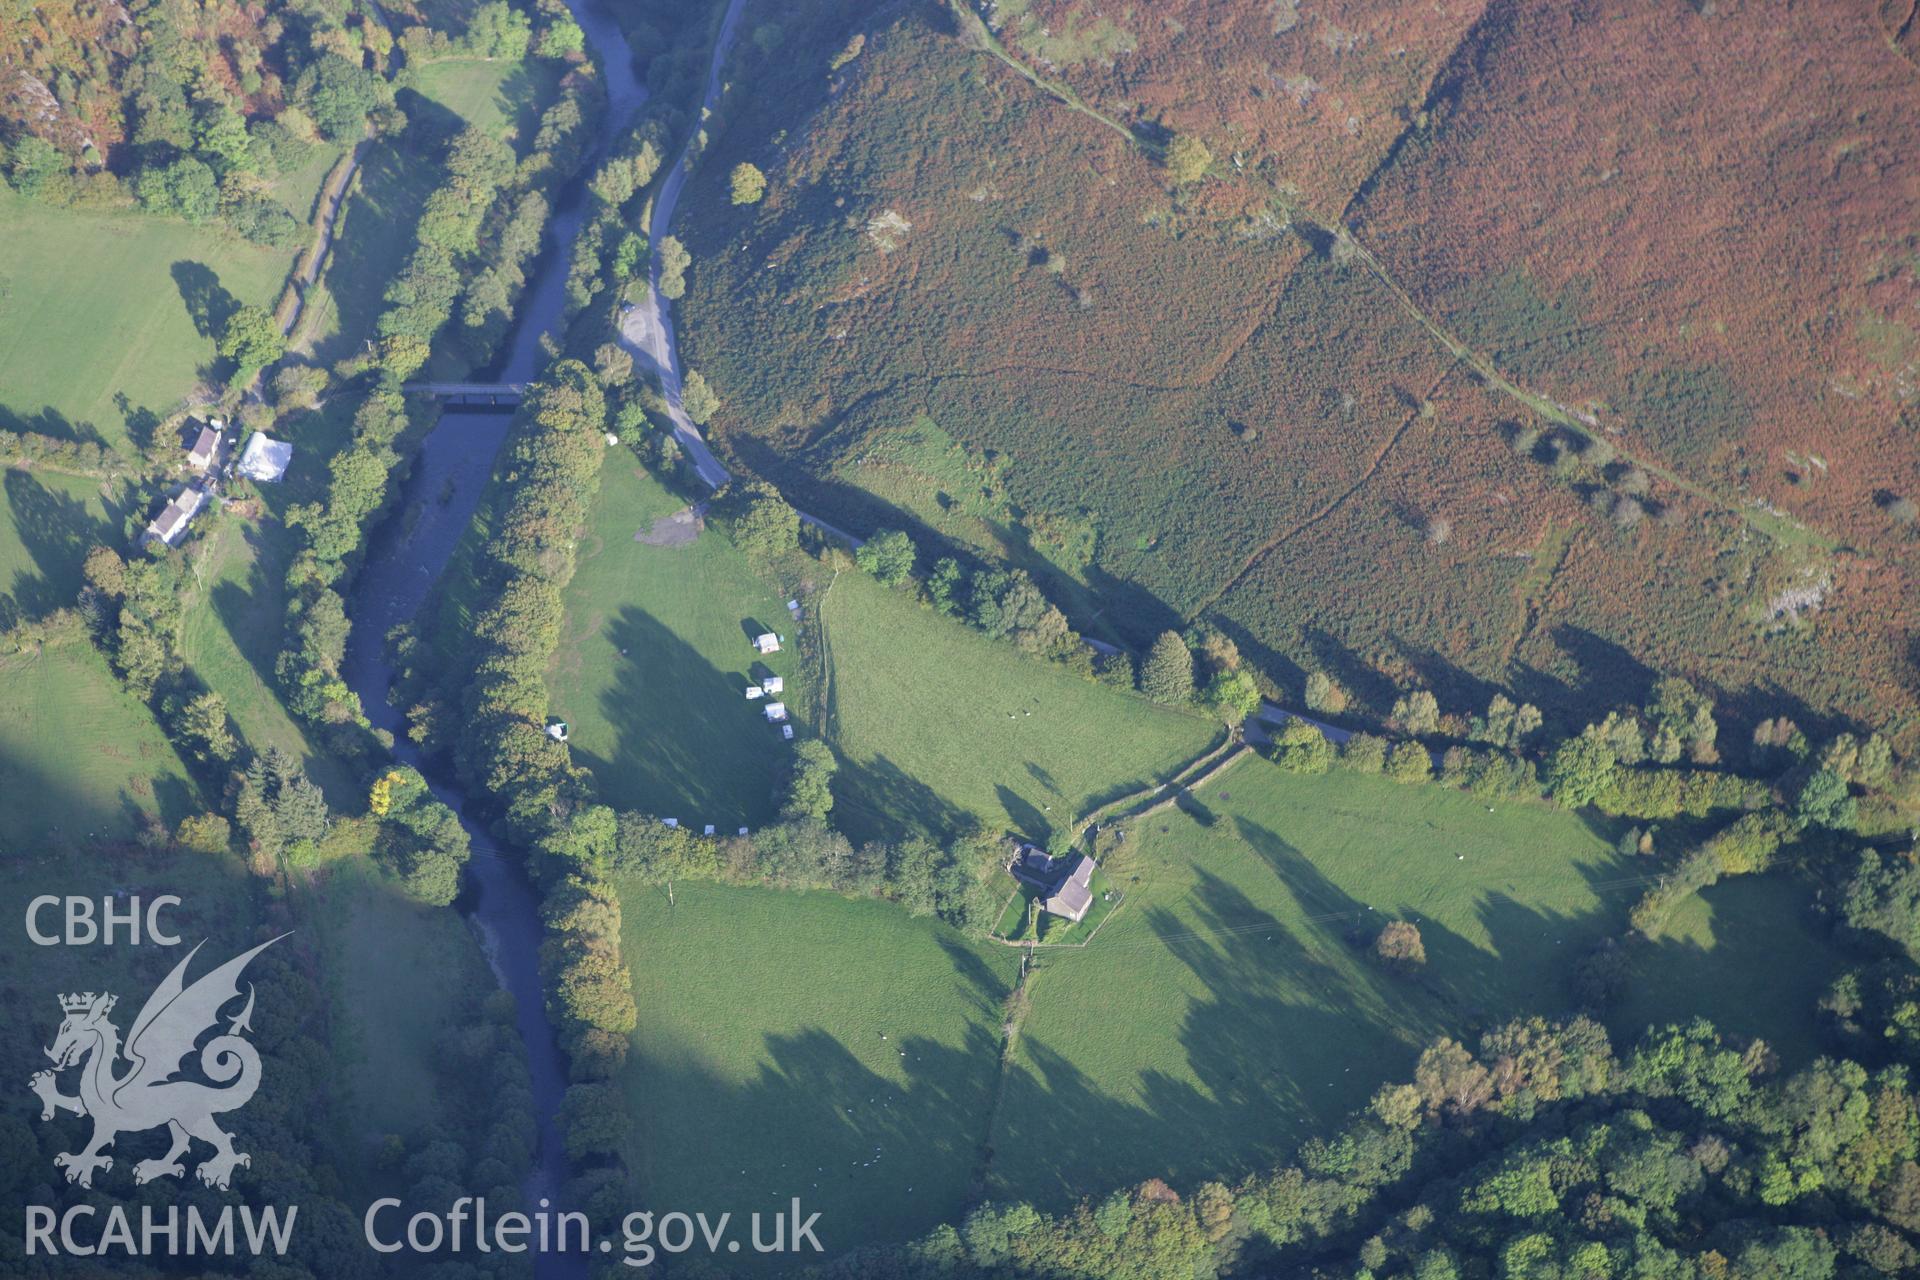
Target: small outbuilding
x=755, y=691
x=776, y=712
x=265, y=459
x=772, y=685
x=766, y=642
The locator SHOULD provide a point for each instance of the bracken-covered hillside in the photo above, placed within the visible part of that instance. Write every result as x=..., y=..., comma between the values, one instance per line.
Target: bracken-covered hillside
x=1520, y=344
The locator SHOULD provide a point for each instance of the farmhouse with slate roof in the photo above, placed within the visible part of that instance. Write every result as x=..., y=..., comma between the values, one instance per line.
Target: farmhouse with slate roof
x=171, y=524
x=1065, y=885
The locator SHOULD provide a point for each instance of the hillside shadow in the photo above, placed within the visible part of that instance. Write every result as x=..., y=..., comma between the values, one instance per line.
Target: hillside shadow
x=56, y=532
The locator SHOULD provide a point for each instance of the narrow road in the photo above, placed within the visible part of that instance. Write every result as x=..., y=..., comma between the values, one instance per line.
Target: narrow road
x=647, y=326
x=1273, y=715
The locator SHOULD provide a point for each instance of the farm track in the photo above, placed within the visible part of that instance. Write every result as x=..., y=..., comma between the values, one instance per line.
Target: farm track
x=1019, y=1002
x=1772, y=525
x=1899, y=36
x=1366, y=477
x=1556, y=543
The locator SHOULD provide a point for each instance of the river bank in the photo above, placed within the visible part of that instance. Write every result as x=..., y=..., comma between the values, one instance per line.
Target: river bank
x=407, y=557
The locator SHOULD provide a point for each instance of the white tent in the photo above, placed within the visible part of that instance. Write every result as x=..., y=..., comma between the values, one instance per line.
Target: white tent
x=773, y=684
x=264, y=458
x=776, y=711
x=767, y=642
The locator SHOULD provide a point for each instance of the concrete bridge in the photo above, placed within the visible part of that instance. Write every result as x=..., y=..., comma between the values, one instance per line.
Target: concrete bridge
x=473, y=395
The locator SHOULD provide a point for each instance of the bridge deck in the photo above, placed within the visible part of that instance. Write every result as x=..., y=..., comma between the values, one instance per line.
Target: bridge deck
x=464, y=390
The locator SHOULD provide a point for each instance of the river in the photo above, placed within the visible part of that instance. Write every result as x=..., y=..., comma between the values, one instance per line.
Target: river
x=406, y=557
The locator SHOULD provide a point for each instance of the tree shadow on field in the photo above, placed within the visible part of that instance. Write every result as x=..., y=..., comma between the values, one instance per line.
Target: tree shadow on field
x=882, y=1154
x=431, y=125
x=686, y=744
x=876, y=799
x=1128, y=610
x=1269, y=1038
x=49, y=422
x=248, y=612
x=209, y=305
x=1465, y=985
x=1021, y=813
x=57, y=532
x=141, y=422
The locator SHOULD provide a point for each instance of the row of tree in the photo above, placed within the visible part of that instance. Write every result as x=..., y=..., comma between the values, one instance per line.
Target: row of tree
x=1201, y=669
x=478, y=231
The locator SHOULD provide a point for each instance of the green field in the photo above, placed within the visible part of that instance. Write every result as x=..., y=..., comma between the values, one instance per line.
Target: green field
x=79, y=758
x=47, y=523
x=504, y=98
x=372, y=240
x=934, y=721
x=652, y=666
x=106, y=318
x=1745, y=953
x=807, y=1045
x=234, y=625
x=1221, y=1014
x=403, y=976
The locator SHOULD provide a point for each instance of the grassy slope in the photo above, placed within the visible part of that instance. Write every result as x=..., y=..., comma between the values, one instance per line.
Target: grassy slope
x=1221, y=1015
x=759, y=1071
x=96, y=305
x=300, y=189
x=235, y=621
x=931, y=720
x=652, y=666
x=400, y=972
x=78, y=756
x=393, y=185
x=503, y=98
x=1745, y=954
x=47, y=523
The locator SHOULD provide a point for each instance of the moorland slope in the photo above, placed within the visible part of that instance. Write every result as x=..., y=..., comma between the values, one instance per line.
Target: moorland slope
x=1557, y=385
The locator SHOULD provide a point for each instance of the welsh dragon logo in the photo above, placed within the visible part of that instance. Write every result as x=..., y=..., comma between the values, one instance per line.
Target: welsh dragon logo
x=148, y=1095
